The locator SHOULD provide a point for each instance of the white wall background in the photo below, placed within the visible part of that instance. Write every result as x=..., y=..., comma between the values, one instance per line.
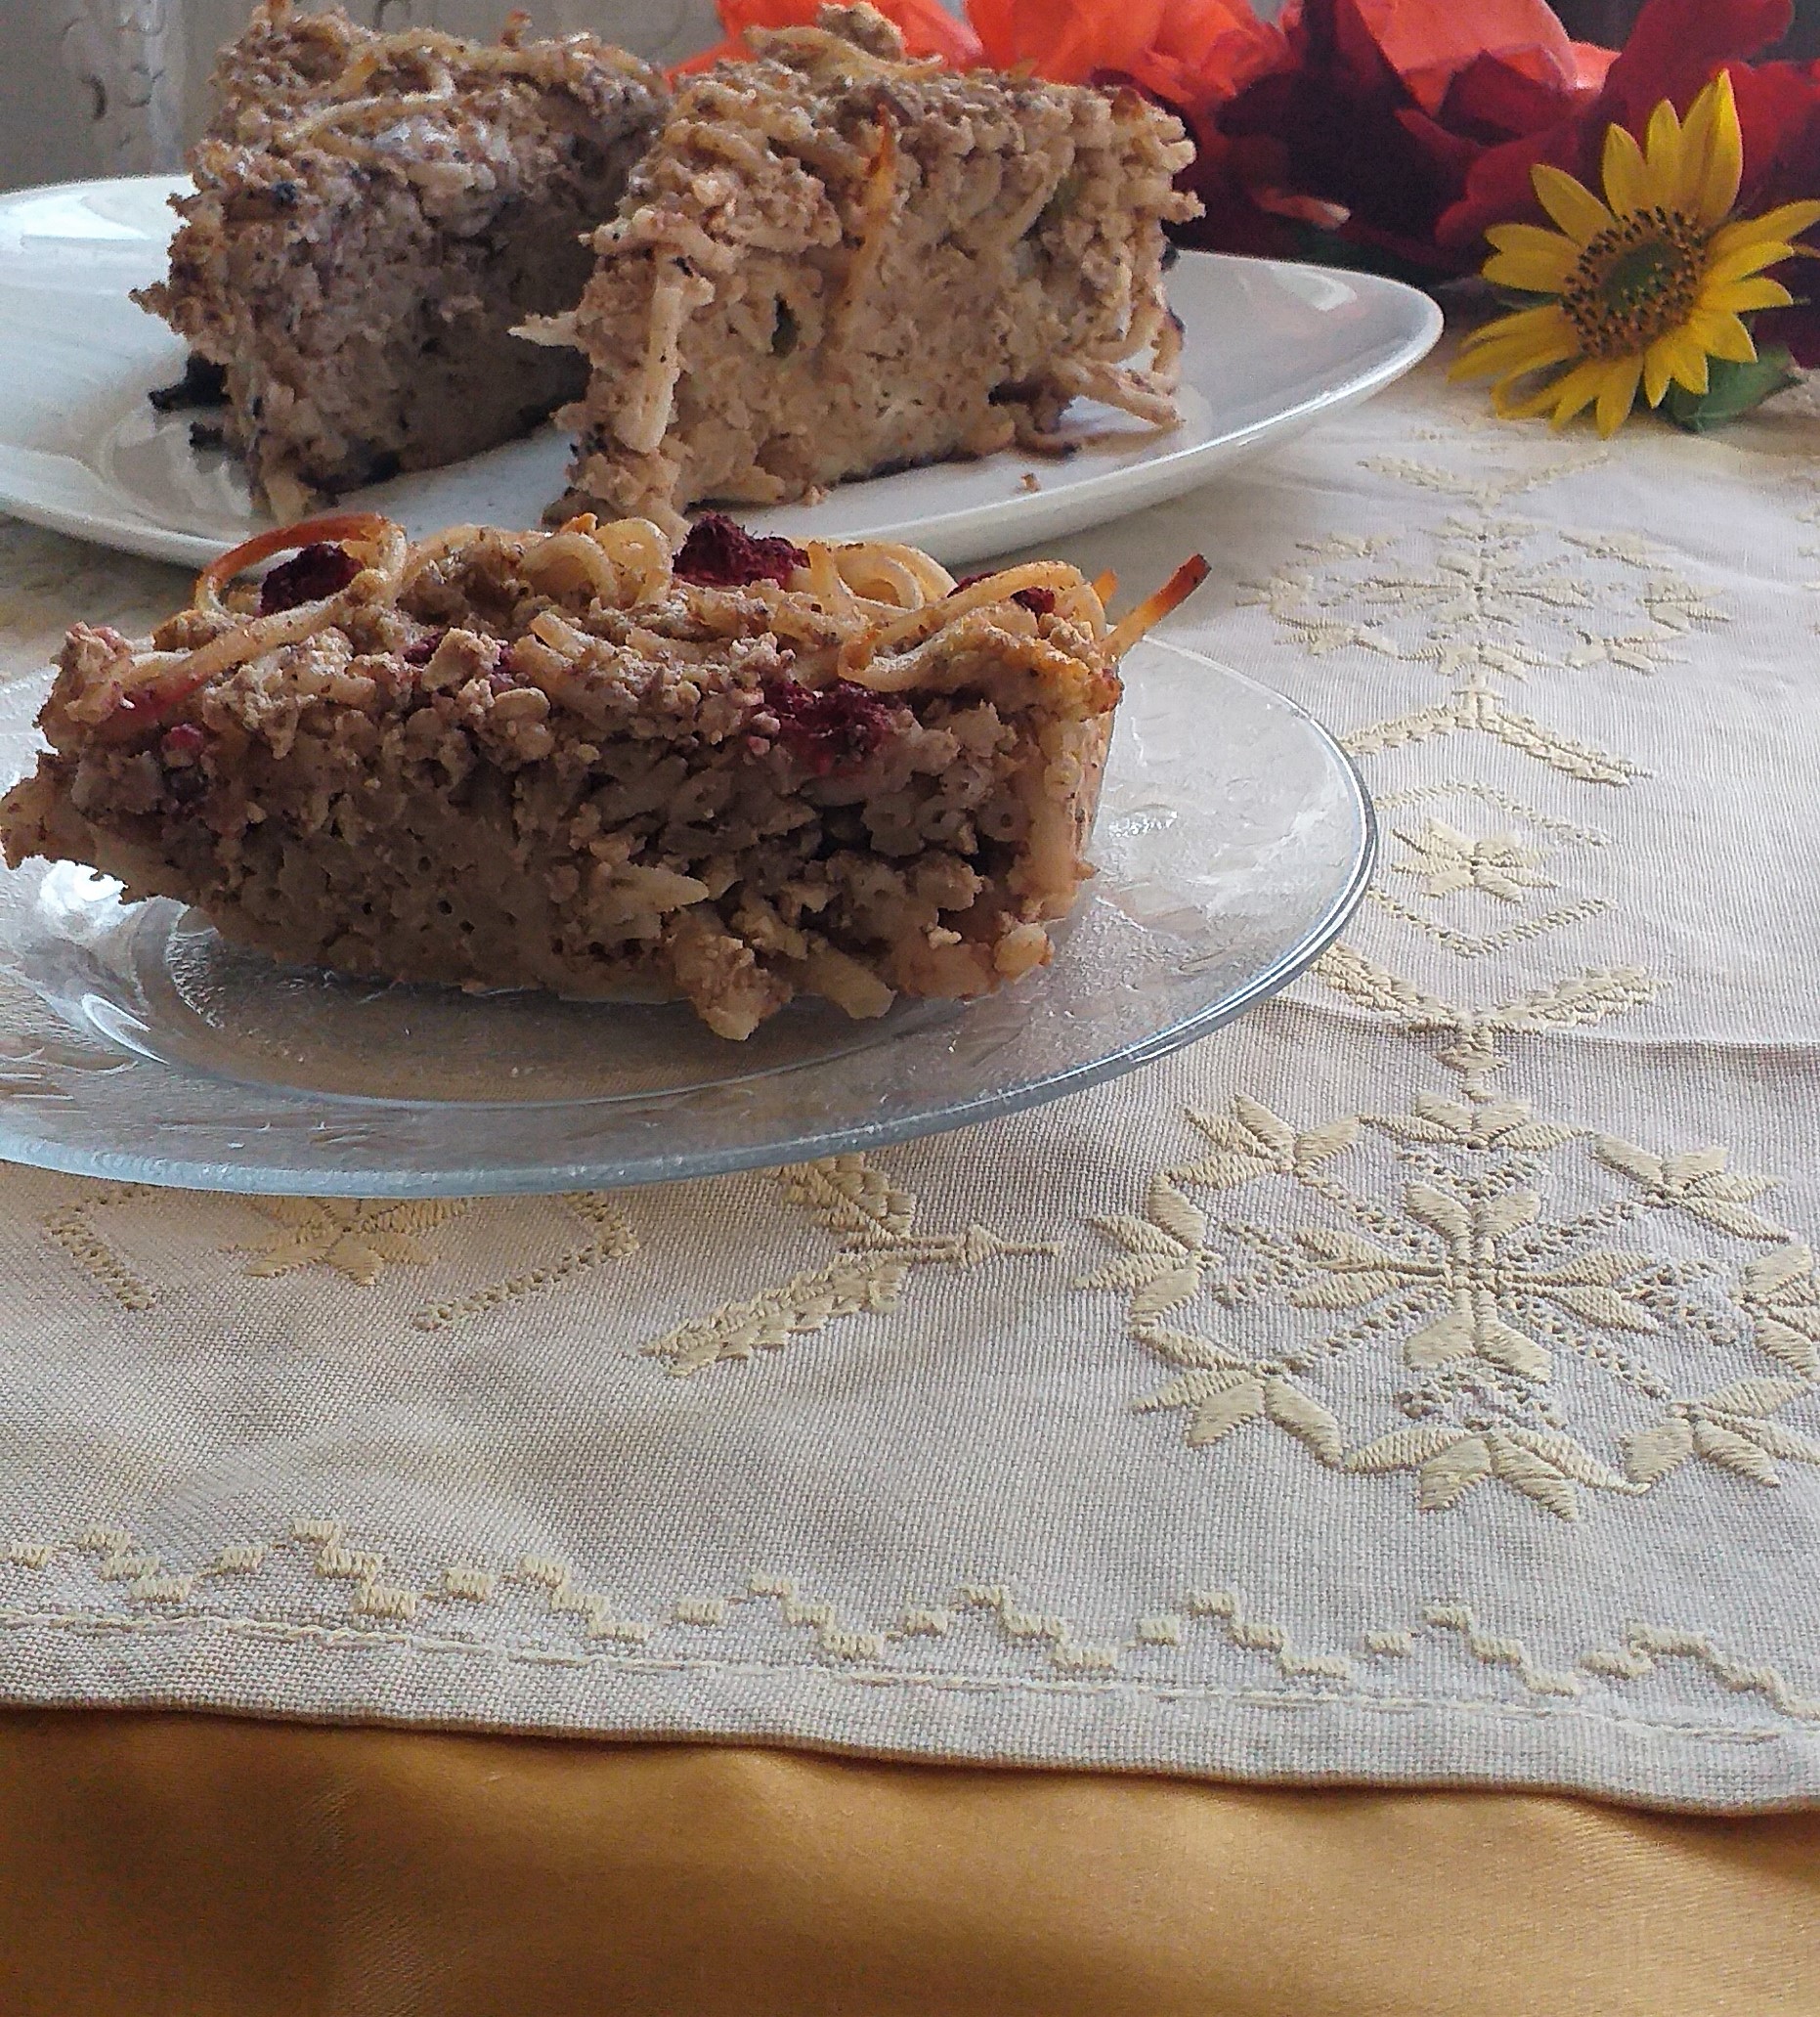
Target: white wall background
x=75, y=73
x=64, y=61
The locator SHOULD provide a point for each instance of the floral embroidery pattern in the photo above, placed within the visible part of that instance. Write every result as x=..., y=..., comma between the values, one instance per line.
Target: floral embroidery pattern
x=1496, y=474
x=1696, y=1182
x=1480, y=1307
x=874, y=1223
x=1549, y=827
x=1730, y=1428
x=1447, y=860
x=609, y=1238
x=1488, y=610
x=1518, y=850
x=72, y=1228
x=1447, y=1272
x=1471, y=1046
x=1465, y=945
x=357, y=1238
x=1782, y=1293
x=1449, y=1269
x=1499, y=601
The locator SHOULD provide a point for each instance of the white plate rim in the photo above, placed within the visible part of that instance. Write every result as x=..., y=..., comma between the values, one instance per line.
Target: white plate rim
x=1112, y=493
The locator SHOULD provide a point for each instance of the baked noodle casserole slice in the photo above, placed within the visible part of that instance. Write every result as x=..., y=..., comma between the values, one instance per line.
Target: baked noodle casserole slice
x=732, y=772
x=834, y=262
x=372, y=214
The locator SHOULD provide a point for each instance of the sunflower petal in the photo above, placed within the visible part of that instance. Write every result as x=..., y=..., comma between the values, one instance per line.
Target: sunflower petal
x=1675, y=358
x=1536, y=270
x=1519, y=342
x=1618, y=395
x=1509, y=407
x=1514, y=363
x=1785, y=221
x=1530, y=249
x=1710, y=184
x=1518, y=238
x=1517, y=360
x=1687, y=362
x=1657, y=367
x=1625, y=172
x=1522, y=343
x=1720, y=333
x=1507, y=358
x=1540, y=321
x=1572, y=204
x=1576, y=391
x=1663, y=159
x=1742, y=297
x=1696, y=149
x=1746, y=259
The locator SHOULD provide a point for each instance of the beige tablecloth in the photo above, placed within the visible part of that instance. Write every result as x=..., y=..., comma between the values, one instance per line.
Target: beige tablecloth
x=1414, y=1384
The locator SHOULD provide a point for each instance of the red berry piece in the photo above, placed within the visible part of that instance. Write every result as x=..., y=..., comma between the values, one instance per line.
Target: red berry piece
x=830, y=731
x=314, y=572
x=720, y=554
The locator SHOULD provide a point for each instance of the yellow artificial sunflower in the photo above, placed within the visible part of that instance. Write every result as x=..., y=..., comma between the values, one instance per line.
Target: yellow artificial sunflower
x=1648, y=284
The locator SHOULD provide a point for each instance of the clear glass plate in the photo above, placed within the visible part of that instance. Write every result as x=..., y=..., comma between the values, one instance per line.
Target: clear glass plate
x=1234, y=841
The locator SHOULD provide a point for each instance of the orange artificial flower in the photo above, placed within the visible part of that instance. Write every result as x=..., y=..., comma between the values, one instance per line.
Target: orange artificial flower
x=1191, y=52
x=926, y=26
x=1429, y=46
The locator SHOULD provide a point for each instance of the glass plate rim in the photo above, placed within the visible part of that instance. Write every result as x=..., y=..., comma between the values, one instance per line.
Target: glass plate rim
x=173, y=1171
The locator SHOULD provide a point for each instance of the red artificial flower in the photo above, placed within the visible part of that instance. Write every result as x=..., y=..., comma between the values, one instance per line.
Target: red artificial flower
x=1385, y=105
x=1249, y=204
x=1675, y=49
x=1779, y=113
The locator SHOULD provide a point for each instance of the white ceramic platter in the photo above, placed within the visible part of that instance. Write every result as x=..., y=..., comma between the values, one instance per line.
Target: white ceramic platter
x=1270, y=349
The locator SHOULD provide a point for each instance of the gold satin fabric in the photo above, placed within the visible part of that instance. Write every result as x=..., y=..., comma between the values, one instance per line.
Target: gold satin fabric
x=160, y=1865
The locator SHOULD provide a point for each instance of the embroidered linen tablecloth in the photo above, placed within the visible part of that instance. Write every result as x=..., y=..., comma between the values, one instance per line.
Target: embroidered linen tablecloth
x=1417, y=1381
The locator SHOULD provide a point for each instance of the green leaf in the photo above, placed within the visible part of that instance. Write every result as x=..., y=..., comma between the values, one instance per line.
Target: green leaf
x=1732, y=389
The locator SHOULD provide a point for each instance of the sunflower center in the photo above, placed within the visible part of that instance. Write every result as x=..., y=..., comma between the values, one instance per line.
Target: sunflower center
x=1634, y=282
